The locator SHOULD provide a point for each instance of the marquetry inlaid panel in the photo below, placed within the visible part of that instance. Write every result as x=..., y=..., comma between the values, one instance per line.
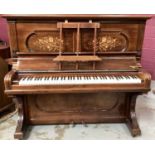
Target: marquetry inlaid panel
x=43, y=41
x=112, y=41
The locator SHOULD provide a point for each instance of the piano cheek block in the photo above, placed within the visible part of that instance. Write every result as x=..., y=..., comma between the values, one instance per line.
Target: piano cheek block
x=76, y=68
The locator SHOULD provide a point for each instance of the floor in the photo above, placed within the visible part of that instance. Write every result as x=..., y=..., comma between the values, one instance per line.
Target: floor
x=145, y=113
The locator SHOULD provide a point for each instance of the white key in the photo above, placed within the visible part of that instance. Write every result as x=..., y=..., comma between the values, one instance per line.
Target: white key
x=105, y=79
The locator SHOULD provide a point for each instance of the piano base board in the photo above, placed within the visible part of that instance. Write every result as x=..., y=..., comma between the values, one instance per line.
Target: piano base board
x=107, y=107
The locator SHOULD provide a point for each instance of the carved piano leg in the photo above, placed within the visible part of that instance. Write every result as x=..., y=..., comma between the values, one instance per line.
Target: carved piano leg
x=19, y=133
x=131, y=116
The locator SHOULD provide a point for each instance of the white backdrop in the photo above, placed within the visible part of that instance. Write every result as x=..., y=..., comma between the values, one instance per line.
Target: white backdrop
x=77, y=6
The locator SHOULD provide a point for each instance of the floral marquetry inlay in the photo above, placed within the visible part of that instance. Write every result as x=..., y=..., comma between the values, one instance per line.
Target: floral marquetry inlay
x=48, y=43
x=112, y=42
x=108, y=43
x=44, y=42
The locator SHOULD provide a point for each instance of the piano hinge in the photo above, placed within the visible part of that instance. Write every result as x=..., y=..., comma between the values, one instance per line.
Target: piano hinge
x=136, y=67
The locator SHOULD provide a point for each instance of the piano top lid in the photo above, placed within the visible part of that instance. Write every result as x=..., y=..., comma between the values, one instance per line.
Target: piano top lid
x=76, y=16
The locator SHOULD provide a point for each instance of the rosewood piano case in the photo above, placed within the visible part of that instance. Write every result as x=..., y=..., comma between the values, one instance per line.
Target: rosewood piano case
x=63, y=45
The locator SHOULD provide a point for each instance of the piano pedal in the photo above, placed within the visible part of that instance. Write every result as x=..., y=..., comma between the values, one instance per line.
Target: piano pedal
x=72, y=124
x=84, y=124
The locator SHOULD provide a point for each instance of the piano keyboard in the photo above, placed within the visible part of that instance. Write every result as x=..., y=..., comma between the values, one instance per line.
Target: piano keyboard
x=77, y=80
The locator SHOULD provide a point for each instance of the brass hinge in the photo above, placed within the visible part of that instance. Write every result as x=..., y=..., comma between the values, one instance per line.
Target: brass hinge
x=138, y=66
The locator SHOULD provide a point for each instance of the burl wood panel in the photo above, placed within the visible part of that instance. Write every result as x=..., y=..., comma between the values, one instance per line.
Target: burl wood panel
x=85, y=107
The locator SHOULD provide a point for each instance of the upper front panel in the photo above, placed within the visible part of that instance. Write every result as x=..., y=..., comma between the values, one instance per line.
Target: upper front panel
x=83, y=35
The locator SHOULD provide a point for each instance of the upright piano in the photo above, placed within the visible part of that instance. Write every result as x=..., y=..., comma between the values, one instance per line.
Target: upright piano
x=76, y=69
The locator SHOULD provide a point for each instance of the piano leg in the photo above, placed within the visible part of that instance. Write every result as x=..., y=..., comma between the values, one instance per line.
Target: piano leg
x=19, y=133
x=131, y=115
